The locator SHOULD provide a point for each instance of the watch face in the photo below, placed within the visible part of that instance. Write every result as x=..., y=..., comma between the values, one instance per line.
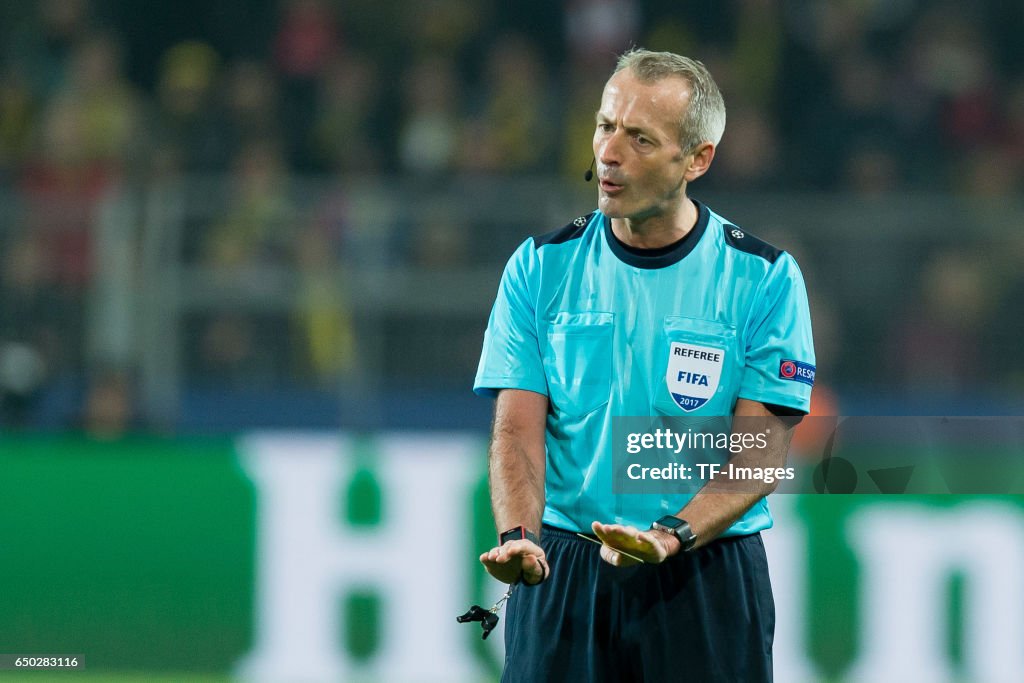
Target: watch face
x=671, y=522
x=513, y=534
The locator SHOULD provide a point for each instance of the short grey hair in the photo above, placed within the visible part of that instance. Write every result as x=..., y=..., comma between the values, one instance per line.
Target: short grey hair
x=704, y=120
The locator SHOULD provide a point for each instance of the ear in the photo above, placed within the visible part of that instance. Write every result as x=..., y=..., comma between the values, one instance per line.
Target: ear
x=699, y=161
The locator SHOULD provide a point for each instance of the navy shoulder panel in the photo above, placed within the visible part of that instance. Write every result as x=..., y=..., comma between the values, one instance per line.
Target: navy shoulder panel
x=744, y=241
x=571, y=231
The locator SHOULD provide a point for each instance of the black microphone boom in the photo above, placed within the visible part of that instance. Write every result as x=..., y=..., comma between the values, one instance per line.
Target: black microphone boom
x=589, y=175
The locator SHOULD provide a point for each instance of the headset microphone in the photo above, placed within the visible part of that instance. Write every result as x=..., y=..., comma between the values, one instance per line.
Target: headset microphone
x=589, y=175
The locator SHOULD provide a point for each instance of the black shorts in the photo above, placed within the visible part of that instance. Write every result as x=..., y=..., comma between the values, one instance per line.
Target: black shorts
x=705, y=616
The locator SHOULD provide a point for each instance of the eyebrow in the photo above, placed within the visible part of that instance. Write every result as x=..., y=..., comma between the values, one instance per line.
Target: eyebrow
x=601, y=118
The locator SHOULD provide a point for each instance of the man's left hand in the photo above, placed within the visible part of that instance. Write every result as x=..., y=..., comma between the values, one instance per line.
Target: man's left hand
x=650, y=546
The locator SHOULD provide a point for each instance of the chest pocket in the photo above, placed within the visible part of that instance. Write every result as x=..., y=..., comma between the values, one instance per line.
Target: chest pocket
x=578, y=362
x=699, y=367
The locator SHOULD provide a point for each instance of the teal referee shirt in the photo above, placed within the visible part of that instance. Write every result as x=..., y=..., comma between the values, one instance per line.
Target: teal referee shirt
x=605, y=330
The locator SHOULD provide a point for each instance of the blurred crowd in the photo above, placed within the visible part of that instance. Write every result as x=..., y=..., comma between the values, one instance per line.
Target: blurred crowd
x=859, y=97
x=862, y=96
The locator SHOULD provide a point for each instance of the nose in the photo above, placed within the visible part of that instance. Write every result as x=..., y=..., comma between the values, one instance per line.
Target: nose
x=608, y=149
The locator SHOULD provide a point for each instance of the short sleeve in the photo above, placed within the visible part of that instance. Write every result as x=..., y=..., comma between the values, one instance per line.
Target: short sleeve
x=780, y=365
x=511, y=356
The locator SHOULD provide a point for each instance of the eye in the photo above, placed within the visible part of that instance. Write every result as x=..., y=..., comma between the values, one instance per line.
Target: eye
x=605, y=127
x=641, y=140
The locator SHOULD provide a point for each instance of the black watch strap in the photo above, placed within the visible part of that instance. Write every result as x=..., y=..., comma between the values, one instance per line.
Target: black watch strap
x=517, y=533
x=679, y=528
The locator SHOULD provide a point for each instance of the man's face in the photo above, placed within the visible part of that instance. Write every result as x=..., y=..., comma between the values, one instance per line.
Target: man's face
x=641, y=166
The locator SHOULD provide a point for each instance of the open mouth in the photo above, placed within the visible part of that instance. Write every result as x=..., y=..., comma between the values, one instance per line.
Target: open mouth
x=609, y=187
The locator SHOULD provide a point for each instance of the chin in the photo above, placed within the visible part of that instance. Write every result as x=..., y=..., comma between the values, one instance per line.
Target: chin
x=611, y=208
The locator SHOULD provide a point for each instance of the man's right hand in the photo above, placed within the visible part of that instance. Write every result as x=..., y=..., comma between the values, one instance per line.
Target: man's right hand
x=521, y=559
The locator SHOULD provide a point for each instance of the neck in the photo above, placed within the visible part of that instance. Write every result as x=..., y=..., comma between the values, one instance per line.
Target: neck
x=657, y=231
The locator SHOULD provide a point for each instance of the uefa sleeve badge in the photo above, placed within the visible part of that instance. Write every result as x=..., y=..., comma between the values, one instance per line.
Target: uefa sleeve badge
x=797, y=371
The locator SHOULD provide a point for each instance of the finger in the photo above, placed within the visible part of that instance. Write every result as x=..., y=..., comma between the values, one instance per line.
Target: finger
x=522, y=547
x=617, y=535
x=649, y=544
x=502, y=573
x=615, y=538
x=602, y=531
x=606, y=528
x=614, y=529
x=519, y=550
x=619, y=558
x=626, y=561
x=493, y=568
x=648, y=538
x=532, y=571
x=511, y=549
x=627, y=532
x=608, y=539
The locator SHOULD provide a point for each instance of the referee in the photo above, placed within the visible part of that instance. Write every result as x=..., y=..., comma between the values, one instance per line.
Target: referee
x=651, y=305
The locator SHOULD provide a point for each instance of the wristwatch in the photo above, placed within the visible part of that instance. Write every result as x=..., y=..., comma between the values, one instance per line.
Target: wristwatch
x=679, y=528
x=516, y=533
